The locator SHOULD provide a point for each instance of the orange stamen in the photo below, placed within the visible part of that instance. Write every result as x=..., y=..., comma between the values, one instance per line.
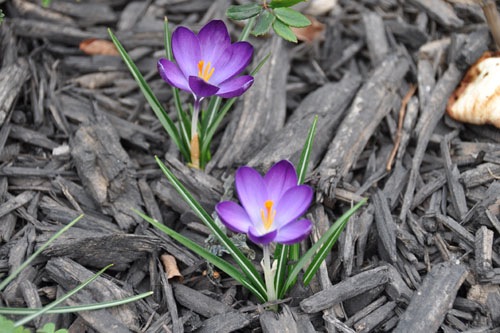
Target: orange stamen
x=268, y=215
x=205, y=71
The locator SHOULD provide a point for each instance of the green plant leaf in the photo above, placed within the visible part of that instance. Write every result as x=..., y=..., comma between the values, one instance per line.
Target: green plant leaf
x=243, y=12
x=292, y=17
x=184, y=121
x=284, y=31
x=76, y=308
x=246, y=265
x=208, y=117
x=47, y=328
x=160, y=113
x=13, y=275
x=51, y=328
x=305, y=155
x=7, y=326
x=220, y=263
x=281, y=257
x=60, y=300
x=284, y=3
x=264, y=23
x=294, y=252
x=207, y=120
x=332, y=233
x=2, y=15
x=337, y=227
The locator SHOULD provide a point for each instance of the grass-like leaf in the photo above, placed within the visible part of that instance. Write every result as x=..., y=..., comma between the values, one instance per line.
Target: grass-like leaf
x=76, y=308
x=160, y=113
x=208, y=117
x=25, y=264
x=184, y=121
x=333, y=232
x=294, y=252
x=220, y=263
x=305, y=155
x=246, y=265
x=281, y=257
x=323, y=252
x=60, y=300
x=246, y=29
x=207, y=121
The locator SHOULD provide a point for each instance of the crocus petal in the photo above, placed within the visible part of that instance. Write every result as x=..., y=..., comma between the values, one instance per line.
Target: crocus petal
x=251, y=191
x=214, y=39
x=292, y=204
x=186, y=49
x=279, y=179
x=171, y=74
x=235, y=87
x=201, y=88
x=232, y=61
x=294, y=232
x=259, y=238
x=233, y=216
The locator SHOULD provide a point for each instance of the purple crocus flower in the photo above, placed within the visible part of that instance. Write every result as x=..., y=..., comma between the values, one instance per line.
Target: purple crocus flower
x=207, y=64
x=270, y=205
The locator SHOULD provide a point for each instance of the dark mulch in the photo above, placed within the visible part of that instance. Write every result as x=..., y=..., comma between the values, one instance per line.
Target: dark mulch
x=78, y=137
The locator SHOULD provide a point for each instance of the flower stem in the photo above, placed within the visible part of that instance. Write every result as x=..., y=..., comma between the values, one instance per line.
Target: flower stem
x=268, y=274
x=194, y=145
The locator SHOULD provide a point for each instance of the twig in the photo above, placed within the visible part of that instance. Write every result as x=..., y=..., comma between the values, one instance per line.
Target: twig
x=492, y=18
x=493, y=175
x=402, y=112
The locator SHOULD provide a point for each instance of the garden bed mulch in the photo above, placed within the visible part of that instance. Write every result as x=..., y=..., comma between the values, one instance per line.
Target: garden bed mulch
x=77, y=136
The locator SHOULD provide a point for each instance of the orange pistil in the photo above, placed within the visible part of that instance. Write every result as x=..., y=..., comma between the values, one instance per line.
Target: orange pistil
x=205, y=71
x=268, y=215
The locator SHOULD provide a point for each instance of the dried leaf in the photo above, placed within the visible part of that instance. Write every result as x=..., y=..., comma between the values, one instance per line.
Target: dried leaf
x=477, y=98
x=170, y=266
x=98, y=47
x=310, y=33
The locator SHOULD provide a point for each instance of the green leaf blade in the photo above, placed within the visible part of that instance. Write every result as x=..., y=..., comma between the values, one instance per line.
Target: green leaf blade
x=292, y=17
x=160, y=113
x=184, y=121
x=243, y=12
x=76, y=308
x=281, y=255
x=284, y=31
x=26, y=263
x=264, y=23
x=246, y=266
x=305, y=155
x=62, y=299
x=220, y=263
x=284, y=3
x=333, y=231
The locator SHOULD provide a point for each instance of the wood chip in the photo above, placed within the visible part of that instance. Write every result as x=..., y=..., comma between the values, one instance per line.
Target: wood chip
x=434, y=298
x=348, y=288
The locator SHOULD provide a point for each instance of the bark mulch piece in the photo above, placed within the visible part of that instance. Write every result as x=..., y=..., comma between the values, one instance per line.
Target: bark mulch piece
x=78, y=137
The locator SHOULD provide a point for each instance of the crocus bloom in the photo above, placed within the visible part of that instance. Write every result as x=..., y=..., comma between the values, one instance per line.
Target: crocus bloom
x=270, y=205
x=207, y=64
